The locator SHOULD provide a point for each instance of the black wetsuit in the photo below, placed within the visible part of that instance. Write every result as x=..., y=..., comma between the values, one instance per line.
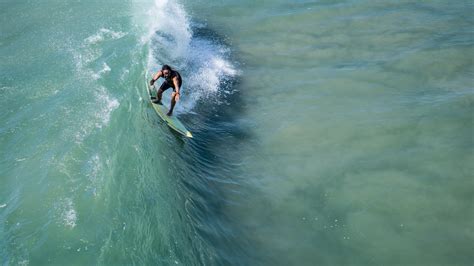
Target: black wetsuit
x=169, y=81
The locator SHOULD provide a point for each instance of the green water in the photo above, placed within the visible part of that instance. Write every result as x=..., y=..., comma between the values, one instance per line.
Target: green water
x=325, y=133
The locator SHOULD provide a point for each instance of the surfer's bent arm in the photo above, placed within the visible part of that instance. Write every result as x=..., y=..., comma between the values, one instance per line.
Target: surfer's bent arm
x=156, y=77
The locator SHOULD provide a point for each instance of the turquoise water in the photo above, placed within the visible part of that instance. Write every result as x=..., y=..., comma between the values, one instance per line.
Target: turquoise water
x=325, y=133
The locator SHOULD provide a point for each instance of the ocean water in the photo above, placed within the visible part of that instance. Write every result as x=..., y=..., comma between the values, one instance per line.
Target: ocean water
x=325, y=133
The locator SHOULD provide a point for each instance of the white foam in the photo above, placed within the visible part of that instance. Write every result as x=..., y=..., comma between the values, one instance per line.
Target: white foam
x=107, y=105
x=24, y=262
x=100, y=109
x=84, y=56
x=3, y=205
x=94, y=174
x=169, y=18
x=203, y=63
x=6, y=88
x=68, y=214
x=211, y=69
x=98, y=114
x=105, y=69
x=104, y=34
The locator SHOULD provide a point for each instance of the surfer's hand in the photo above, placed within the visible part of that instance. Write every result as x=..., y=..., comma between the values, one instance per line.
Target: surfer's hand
x=152, y=81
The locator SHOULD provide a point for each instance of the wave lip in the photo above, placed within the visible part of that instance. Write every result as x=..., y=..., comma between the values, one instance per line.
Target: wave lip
x=174, y=33
x=202, y=59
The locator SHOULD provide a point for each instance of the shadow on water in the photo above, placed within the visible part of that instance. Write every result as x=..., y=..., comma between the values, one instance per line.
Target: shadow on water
x=207, y=170
x=213, y=174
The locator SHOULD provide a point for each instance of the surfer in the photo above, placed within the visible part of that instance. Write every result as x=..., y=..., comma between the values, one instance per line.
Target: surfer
x=172, y=80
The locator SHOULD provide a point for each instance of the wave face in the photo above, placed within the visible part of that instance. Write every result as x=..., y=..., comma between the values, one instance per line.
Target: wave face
x=90, y=175
x=196, y=52
x=361, y=138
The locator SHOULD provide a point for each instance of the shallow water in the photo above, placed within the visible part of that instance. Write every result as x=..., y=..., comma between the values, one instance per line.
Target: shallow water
x=325, y=133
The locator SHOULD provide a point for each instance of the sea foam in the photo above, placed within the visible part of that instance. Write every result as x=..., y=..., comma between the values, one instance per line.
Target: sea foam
x=105, y=69
x=67, y=213
x=202, y=61
x=104, y=34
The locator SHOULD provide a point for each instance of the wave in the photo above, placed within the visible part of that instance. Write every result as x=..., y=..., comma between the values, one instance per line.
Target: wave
x=91, y=66
x=203, y=60
x=95, y=175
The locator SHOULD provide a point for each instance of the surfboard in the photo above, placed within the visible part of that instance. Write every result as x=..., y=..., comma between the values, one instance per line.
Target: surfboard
x=172, y=121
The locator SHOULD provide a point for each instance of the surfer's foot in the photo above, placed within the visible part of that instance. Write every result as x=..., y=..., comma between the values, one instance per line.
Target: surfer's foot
x=169, y=113
x=157, y=102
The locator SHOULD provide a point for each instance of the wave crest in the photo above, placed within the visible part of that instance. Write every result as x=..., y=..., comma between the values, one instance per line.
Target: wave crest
x=203, y=61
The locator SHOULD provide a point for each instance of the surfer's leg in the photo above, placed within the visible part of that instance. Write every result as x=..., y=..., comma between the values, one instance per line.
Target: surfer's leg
x=174, y=97
x=159, y=94
x=173, y=103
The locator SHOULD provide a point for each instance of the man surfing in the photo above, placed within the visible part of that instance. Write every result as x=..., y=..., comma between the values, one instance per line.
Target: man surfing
x=172, y=80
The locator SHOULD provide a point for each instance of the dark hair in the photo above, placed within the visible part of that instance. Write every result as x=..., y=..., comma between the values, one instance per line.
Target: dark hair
x=166, y=67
